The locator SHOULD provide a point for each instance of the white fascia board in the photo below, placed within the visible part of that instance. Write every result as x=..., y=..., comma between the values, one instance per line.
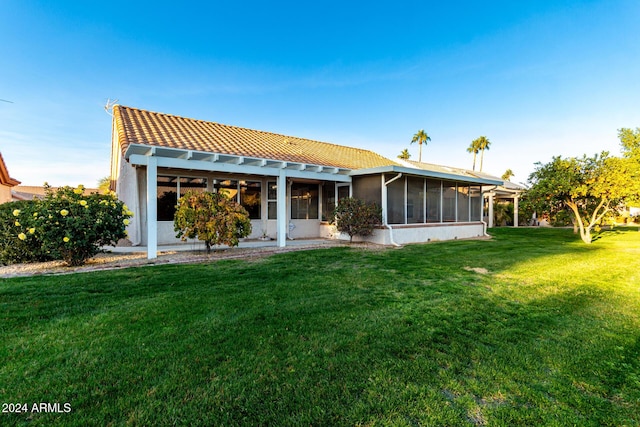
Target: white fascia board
x=424, y=173
x=209, y=166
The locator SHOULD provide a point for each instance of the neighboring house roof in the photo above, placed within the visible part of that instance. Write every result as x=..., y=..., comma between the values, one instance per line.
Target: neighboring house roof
x=5, y=179
x=140, y=127
x=27, y=192
x=447, y=170
x=508, y=185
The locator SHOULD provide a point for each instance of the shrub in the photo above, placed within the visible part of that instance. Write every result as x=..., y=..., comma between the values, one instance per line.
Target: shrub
x=212, y=218
x=68, y=225
x=17, y=244
x=356, y=218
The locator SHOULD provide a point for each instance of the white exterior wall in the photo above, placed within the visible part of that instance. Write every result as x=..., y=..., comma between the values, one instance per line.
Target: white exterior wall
x=405, y=234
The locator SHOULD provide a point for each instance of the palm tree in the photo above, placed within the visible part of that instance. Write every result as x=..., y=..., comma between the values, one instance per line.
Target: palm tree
x=508, y=175
x=474, y=148
x=404, y=155
x=483, y=144
x=420, y=137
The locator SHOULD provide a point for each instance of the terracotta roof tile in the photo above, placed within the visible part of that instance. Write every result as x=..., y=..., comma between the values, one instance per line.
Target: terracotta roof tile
x=136, y=126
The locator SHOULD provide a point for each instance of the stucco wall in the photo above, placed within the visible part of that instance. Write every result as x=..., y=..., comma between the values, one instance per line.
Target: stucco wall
x=5, y=194
x=127, y=191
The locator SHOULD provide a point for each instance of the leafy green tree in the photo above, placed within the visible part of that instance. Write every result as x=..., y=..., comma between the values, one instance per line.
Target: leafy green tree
x=507, y=175
x=404, y=154
x=630, y=141
x=211, y=217
x=475, y=149
x=356, y=217
x=421, y=137
x=589, y=187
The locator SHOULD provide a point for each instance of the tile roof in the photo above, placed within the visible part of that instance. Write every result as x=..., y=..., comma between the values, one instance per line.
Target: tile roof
x=134, y=126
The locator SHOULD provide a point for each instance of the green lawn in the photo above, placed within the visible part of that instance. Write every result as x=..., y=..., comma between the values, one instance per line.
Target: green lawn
x=547, y=335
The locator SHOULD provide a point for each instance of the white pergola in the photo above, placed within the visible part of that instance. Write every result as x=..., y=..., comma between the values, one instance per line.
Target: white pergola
x=152, y=158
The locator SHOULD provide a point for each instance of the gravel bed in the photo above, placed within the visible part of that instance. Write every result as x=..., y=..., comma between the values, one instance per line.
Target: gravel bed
x=113, y=261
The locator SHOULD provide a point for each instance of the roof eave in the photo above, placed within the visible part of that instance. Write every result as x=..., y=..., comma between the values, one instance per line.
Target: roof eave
x=425, y=173
x=228, y=159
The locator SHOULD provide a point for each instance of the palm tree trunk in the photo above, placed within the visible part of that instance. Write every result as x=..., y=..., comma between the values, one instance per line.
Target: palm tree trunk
x=420, y=153
x=474, y=160
x=481, y=158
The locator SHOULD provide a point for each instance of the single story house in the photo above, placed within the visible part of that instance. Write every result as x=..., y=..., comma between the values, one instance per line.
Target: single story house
x=289, y=185
x=6, y=182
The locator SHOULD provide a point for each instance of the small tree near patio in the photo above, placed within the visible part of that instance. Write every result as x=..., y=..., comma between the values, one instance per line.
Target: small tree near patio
x=356, y=218
x=211, y=217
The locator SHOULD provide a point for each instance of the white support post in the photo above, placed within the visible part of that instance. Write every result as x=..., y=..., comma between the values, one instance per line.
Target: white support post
x=282, y=209
x=490, y=201
x=152, y=208
x=515, y=211
x=384, y=201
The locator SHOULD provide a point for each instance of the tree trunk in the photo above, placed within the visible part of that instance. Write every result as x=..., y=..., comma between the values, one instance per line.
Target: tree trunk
x=585, y=235
x=585, y=232
x=420, y=153
x=208, y=245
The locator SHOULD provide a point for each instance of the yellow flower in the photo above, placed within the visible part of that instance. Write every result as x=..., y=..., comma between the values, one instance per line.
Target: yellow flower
x=125, y=221
x=22, y=236
x=78, y=190
x=35, y=214
x=17, y=224
x=64, y=212
x=83, y=202
x=65, y=239
x=16, y=212
x=32, y=230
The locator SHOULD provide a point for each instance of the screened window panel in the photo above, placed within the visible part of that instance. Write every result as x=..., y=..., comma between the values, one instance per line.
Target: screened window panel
x=463, y=203
x=227, y=186
x=250, y=194
x=304, y=201
x=449, y=202
x=475, y=199
x=272, y=201
x=415, y=200
x=170, y=188
x=396, y=202
x=328, y=200
x=368, y=188
x=343, y=192
x=192, y=184
x=167, y=197
x=434, y=200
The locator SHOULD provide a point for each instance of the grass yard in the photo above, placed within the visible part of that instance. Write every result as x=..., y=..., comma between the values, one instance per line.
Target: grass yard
x=530, y=328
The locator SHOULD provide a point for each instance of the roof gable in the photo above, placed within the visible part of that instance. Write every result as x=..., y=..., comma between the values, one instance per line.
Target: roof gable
x=134, y=126
x=5, y=179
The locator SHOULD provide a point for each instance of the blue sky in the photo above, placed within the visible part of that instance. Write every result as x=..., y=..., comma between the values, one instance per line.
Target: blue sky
x=539, y=78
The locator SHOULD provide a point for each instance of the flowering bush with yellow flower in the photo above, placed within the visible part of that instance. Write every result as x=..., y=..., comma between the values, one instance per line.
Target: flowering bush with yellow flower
x=66, y=224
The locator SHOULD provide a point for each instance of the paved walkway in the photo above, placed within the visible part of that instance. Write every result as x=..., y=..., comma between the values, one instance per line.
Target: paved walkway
x=246, y=244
